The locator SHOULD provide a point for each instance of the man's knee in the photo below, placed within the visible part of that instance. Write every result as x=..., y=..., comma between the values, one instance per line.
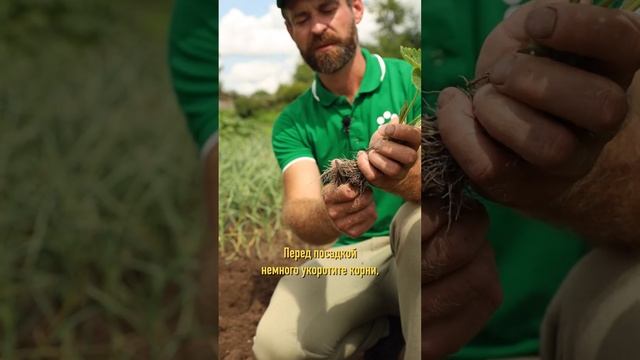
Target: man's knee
x=270, y=343
x=596, y=311
x=405, y=228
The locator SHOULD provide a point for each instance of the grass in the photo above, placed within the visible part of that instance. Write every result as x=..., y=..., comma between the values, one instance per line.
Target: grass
x=100, y=197
x=250, y=185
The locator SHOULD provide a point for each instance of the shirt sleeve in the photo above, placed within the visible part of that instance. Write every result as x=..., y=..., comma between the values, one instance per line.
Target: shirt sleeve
x=193, y=61
x=289, y=143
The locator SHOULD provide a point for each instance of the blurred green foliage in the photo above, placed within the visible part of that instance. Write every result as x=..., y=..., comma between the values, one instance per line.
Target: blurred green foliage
x=100, y=191
x=73, y=20
x=248, y=106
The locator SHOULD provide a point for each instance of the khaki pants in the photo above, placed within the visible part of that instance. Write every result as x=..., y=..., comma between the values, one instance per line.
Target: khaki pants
x=596, y=313
x=337, y=317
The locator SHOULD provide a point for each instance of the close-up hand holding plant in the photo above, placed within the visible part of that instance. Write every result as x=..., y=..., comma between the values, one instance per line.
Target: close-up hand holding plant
x=391, y=162
x=460, y=284
x=551, y=128
x=351, y=212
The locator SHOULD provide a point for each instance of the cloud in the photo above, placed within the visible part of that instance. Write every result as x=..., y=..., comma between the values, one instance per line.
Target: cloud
x=250, y=76
x=411, y=4
x=242, y=34
x=257, y=53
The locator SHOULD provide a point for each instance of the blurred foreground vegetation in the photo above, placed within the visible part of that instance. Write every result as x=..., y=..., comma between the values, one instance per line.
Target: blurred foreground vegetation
x=100, y=193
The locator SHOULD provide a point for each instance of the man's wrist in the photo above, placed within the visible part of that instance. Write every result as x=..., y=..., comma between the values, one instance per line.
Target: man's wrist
x=308, y=221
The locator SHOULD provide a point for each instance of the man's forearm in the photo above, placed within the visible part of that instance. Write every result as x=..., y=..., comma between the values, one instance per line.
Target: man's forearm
x=308, y=219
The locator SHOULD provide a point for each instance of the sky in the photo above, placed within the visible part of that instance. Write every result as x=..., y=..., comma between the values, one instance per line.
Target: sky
x=256, y=52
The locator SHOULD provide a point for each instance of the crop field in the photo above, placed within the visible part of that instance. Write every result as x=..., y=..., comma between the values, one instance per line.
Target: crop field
x=251, y=230
x=250, y=186
x=101, y=213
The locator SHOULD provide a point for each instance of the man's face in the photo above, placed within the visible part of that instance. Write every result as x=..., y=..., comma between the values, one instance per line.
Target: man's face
x=324, y=31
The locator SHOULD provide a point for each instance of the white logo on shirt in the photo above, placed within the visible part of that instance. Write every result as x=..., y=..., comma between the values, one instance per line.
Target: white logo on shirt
x=386, y=117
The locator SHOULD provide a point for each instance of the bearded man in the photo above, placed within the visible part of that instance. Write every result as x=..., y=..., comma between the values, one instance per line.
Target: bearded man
x=352, y=106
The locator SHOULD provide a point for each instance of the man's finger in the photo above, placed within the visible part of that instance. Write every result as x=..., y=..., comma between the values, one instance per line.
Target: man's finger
x=386, y=166
x=451, y=248
x=397, y=152
x=341, y=209
x=458, y=307
x=588, y=100
x=407, y=134
x=434, y=217
x=536, y=137
x=361, y=227
x=340, y=194
x=609, y=35
x=482, y=160
x=368, y=170
x=357, y=223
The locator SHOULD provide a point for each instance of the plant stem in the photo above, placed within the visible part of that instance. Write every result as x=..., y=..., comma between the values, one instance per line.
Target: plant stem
x=632, y=5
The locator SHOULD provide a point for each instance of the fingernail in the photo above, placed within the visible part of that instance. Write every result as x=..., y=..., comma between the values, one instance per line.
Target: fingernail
x=501, y=70
x=389, y=130
x=445, y=97
x=541, y=22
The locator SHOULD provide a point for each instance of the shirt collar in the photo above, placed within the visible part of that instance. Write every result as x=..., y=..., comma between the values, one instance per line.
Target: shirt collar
x=375, y=70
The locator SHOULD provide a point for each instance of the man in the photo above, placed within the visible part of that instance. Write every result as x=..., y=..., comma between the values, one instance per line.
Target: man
x=554, y=139
x=348, y=109
x=193, y=49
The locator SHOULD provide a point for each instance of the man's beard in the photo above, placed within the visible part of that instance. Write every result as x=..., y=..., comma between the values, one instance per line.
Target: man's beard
x=330, y=61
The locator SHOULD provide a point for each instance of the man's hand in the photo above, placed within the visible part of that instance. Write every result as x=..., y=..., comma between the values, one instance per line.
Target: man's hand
x=460, y=285
x=351, y=214
x=530, y=138
x=391, y=163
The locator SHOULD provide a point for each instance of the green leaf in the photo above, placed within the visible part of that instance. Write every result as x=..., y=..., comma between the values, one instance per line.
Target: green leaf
x=412, y=56
x=417, y=78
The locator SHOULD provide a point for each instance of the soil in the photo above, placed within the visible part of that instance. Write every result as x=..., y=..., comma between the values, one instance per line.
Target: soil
x=244, y=295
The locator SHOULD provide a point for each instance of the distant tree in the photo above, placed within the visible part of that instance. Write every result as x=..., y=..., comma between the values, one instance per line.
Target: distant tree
x=248, y=106
x=302, y=79
x=397, y=26
x=303, y=74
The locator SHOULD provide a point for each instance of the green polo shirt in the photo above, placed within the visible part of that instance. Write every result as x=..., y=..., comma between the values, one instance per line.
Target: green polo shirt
x=311, y=127
x=532, y=257
x=193, y=60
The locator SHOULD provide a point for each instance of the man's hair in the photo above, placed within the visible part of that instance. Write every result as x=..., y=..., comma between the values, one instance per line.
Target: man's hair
x=284, y=9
